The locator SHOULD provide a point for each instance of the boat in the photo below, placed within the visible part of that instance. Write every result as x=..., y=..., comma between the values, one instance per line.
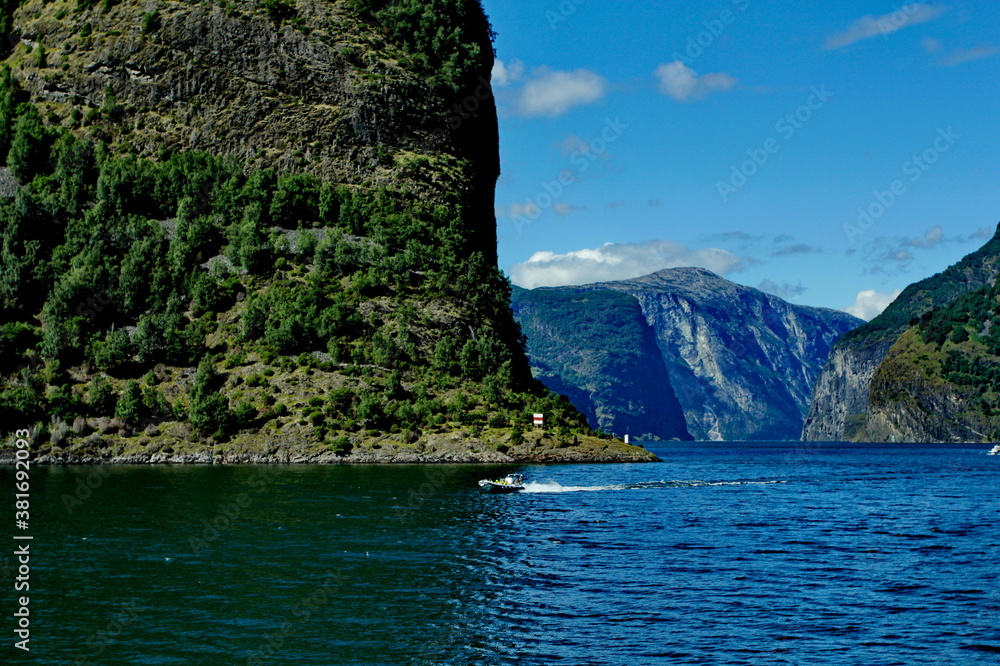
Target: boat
x=508, y=484
x=995, y=451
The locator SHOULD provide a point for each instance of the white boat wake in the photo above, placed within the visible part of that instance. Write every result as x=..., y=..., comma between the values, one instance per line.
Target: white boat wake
x=556, y=487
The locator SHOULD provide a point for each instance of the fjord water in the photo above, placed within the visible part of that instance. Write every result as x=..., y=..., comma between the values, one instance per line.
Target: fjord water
x=724, y=554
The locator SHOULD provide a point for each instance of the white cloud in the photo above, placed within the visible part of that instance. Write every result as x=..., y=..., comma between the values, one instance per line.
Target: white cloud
x=870, y=26
x=870, y=303
x=551, y=93
x=961, y=56
x=618, y=261
x=504, y=74
x=683, y=84
x=931, y=45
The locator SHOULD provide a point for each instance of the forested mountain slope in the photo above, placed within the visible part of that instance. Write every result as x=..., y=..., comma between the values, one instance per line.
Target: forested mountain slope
x=940, y=381
x=841, y=396
x=260, y=230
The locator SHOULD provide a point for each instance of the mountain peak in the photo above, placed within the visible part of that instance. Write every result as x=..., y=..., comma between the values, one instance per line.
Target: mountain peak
x=683, y=277
x=713, y=336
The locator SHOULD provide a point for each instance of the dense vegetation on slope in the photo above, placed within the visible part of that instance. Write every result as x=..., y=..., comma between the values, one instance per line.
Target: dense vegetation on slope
x=150, y=299
x=452, y=54
x=840, y=399
x=941, y=380
x=596, y=348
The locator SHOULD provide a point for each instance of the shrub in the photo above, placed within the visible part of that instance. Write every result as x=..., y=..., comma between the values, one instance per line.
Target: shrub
x=209, y=411
x=341, y=446
x=150, y=22
x=100, y=396
x=129, y=403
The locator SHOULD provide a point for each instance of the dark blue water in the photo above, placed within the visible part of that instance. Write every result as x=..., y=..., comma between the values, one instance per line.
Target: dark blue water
x=724, y=554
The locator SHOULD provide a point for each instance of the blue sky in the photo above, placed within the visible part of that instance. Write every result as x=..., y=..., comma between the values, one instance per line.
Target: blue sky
x=831, y=153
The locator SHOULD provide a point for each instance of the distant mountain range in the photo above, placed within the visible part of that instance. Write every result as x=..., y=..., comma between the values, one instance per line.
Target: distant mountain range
x=926, y=369
x=596, y=348
x=740, y=363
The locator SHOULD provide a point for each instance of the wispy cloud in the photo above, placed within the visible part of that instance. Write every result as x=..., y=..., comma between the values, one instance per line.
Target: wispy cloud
x=870, y=26
x=618, y=261
x=798, y=248
x=785, y=290
x=931, y=238
x=892, y=255
x=870, y=303
x=553, y=93
x=517, y=210
x=574, y=145
x=781, y=245
x=683, y=84
x=741, y=238
x=563, y=209
x=961, y=56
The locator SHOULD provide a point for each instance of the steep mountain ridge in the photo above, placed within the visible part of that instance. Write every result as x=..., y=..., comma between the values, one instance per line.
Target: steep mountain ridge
x=841, y=396
x=940, y=380
x=741, y=362
x=328, y=88
x=597, y=348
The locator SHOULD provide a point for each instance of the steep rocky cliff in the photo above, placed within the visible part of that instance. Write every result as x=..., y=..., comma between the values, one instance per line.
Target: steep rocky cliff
x=597, y=348
x=741, y=362
x=312, y=85
x=940, y=381
x=260, y=230
x=839, y=409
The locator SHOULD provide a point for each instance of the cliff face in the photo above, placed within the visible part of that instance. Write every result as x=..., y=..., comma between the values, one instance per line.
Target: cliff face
x=840, y=395
x=839, y=409
x=260, y=230
x=741, y=362
x=910, y=400
x=597, y=349
x=314, y=86
x=939, y=382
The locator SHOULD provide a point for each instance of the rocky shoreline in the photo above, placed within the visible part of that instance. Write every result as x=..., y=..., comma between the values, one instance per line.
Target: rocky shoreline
x=207, y=458
x=385, y=451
